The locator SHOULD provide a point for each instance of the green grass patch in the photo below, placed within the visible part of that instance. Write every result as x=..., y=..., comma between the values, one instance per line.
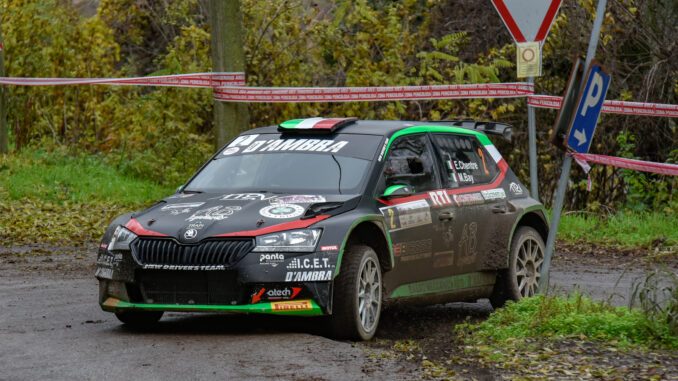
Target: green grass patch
x=630, y=230
x=57, y=177
x=52, y=197
x=574, y=316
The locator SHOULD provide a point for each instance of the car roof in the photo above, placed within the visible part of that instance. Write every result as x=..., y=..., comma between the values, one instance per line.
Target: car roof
x=390, y=127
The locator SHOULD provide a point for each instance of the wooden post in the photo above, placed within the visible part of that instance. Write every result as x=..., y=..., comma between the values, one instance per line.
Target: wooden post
x=4, y=143
x=228, y=55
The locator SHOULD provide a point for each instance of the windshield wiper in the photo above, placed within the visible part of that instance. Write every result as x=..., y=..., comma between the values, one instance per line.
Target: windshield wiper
x=191, y=191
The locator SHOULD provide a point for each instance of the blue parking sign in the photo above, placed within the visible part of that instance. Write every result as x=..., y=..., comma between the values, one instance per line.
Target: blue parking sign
x=588, y=110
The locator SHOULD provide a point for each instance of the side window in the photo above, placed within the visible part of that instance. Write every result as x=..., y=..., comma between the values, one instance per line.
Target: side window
x=465, y=160
x=410, y=163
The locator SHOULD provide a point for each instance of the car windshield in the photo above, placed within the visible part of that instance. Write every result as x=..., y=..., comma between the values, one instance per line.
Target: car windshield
x=242, y=168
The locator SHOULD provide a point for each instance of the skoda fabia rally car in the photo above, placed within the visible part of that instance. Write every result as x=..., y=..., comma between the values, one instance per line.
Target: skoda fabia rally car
x=333, y=217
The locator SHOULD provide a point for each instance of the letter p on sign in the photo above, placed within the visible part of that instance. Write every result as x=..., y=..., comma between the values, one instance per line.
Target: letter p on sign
x=594, y=92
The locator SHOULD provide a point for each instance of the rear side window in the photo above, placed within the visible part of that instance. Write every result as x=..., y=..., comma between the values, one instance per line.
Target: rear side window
x=410, y=163
x=466, y=162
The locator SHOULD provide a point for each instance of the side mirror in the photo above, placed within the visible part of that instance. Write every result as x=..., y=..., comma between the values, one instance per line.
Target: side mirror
x=179, y=189
x=397, y=191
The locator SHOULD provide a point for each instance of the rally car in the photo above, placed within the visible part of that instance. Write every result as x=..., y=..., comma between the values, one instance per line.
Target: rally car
x=334, y=217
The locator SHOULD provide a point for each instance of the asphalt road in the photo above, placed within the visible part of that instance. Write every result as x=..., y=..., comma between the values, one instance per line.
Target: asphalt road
x=52, y=328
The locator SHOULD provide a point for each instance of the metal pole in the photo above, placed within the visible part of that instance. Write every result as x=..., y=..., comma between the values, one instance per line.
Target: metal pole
x=567, y=162
x=4, y=145
x=532, y=135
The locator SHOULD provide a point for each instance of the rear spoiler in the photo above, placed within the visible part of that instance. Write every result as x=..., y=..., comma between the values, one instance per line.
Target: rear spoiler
x=490, y=128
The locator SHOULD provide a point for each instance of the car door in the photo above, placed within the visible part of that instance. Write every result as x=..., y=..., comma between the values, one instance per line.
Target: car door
x=410, y=162
x=468, y=174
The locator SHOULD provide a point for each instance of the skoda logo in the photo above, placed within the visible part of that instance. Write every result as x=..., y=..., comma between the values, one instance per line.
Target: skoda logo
x=190, y=233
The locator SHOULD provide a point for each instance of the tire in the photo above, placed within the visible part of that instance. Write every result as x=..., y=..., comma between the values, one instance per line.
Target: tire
x=357, y=295
x=521, y=279
x=139, y=319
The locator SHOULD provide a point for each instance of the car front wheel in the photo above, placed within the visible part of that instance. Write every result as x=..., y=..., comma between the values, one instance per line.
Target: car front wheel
x=357, y=295
x=521, y=279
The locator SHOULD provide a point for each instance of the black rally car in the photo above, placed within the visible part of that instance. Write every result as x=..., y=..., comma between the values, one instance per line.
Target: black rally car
x=331, y=217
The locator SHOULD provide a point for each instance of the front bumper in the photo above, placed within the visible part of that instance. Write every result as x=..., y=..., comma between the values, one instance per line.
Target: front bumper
x=306, y=307
x=272, y=283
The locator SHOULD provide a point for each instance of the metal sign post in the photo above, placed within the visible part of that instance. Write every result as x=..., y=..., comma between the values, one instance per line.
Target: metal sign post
x=587, y=98
x=529, y=21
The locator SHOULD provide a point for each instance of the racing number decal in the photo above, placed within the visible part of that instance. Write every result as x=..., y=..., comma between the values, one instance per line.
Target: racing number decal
x=391, y=215
x=480, y=152
x=468, y=243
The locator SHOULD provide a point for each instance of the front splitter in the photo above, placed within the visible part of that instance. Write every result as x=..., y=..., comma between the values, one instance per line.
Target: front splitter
x=306, y=307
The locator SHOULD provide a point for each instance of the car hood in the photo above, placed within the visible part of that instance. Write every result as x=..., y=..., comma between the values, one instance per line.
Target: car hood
x=191, y=217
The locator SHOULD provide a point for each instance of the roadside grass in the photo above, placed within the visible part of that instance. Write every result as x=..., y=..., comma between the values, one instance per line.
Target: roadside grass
x=59, y=177
x=52, y=197
x=575, y=316
x=558, y=336
x=647, y=230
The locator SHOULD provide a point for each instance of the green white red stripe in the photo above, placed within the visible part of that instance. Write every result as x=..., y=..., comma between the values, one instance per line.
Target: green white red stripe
x=313, y=123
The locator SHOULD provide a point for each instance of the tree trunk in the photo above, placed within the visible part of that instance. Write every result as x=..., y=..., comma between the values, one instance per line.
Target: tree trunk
x=228, y=55
x=4, y=144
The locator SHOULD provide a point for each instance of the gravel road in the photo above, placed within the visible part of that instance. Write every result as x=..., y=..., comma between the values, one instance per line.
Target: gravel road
x=52, y=328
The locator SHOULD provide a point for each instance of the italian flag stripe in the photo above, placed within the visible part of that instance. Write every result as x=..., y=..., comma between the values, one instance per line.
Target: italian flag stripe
x=493, y=152
x=311, y=123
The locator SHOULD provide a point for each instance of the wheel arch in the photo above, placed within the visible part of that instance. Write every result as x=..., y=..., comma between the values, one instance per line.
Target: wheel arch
x=369, y=231
x=534, y=217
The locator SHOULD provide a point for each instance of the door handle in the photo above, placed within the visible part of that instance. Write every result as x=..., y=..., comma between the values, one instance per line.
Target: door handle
x=499, y=209
x=445, y=216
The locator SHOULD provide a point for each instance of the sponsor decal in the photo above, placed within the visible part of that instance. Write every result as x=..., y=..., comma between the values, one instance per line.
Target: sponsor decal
x=516, y=189
x=298, y=199
x=468, y=199
x=108, y=260
x=443, y=259
x=215, y=213
x=282, y=211
x=309, y=263
x=440, y=198
x=329, y=248
x=246, y=197
x=251, y=144
x=103, y=246
x=271, y=259
x=301, y=305
x=383, y=150
x=104, y=272
x=196, y=225
x=184, y=267
x=275, y=293
x=190, y=234
x=230, y=151
x=414, y=250
x=308, y=276
x=181, y=195
x=407, y=215
x=243, y=140
x=494, y=194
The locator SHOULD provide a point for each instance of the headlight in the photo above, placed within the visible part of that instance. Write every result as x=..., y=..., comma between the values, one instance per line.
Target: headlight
x=122, y=237
x=303, y=240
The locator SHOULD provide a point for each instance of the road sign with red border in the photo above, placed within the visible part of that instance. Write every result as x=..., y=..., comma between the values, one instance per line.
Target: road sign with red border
x=528, y=20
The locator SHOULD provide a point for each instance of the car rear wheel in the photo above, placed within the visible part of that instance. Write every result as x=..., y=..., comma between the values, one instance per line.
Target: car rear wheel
x=139, y=319
x=521, y=279
x=357, y=295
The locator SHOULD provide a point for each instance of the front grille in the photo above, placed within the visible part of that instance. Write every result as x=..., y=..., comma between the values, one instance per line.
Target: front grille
x=189, y=287
x=209, y=253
